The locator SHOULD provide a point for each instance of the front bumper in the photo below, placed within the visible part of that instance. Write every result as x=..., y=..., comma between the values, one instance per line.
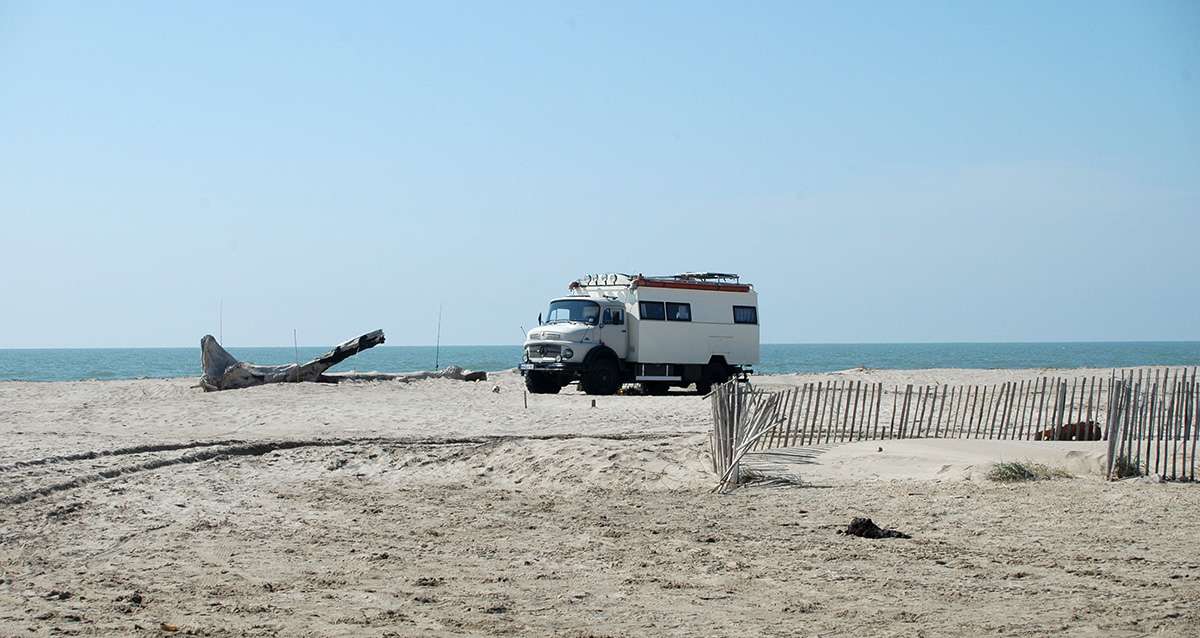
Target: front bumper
x=550, y=366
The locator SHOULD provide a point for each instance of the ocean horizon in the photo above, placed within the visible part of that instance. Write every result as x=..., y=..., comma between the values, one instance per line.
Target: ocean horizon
x=78, y=364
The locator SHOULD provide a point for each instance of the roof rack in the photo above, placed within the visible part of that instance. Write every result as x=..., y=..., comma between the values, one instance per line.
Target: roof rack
x=698, y=280
x=702, y=276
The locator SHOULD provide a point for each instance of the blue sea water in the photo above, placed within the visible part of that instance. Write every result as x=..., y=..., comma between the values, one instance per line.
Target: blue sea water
x=132, y=363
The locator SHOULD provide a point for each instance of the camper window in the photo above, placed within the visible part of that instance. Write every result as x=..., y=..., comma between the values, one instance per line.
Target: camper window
x=745, y=314
x=613, y=317
x=679, y=311
x=652, y=310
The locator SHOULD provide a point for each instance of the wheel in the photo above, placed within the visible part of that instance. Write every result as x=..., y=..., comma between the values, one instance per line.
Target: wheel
x=603, y=376
x=541, y=383
x=715, y=373
x=654, y=388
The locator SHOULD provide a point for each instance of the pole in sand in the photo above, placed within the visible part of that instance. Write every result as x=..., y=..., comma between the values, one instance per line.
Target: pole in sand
x=437, y=348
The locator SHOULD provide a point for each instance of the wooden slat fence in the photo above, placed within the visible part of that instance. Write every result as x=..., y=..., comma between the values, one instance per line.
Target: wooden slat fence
x=1153, y=411
x=1155, y=427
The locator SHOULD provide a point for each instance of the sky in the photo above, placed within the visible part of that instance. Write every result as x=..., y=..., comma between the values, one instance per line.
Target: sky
x=881, y=172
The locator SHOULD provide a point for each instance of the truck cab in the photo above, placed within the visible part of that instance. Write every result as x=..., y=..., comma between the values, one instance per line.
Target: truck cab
x=594, y=334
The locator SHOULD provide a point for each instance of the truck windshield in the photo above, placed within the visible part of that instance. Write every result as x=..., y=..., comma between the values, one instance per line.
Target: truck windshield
x=573, y=310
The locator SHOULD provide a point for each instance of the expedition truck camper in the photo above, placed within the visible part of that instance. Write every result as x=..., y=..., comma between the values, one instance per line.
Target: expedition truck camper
x=678, y=330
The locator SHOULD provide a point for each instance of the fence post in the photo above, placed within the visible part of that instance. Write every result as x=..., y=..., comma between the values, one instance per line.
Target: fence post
x=1114, y=401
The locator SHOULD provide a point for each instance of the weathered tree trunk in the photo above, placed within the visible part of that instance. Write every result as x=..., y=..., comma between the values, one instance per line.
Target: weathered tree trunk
x=223, y=372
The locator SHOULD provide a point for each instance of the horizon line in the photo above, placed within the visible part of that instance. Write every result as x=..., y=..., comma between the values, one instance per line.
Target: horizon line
x=511, y=345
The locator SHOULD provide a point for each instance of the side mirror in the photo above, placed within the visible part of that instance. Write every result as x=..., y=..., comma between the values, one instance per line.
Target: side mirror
x=539, y=318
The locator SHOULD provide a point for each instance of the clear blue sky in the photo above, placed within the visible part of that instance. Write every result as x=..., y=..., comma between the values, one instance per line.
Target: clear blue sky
x=966, y=171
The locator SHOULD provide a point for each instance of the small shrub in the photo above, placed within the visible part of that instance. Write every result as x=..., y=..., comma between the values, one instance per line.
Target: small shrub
x=1126, y=467
x=1015, y=471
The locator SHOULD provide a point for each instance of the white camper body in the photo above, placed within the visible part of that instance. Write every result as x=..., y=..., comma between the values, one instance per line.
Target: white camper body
x=693, y=328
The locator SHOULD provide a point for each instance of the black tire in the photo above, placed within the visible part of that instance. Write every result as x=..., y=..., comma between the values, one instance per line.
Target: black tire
x=542, y=383
x=602, y=377
x=654, y=388
x=715, y=373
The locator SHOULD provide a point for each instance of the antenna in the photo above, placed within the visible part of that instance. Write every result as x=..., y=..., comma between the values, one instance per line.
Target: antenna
x=437, y=348
x=296, y=352
x=221, y=321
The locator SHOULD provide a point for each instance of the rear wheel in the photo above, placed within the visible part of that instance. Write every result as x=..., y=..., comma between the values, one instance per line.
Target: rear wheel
x=715, y=373
x=542, y=383
x=602, y=376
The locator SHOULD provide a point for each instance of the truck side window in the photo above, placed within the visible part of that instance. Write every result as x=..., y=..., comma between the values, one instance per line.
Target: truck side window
x=679, y=311
x=745, y=314
x=613, y=317
x=652, y=310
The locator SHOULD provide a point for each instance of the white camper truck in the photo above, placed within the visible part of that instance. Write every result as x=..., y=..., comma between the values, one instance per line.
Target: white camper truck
x=679, y=330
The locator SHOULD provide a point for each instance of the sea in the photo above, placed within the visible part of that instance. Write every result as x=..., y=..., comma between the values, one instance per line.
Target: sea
x=44, y=364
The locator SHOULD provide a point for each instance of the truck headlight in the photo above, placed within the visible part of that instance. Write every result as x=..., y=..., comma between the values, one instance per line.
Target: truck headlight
x=568, y=353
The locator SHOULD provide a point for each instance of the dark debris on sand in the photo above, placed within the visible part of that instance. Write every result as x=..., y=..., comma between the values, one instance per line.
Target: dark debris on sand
x=866, y=528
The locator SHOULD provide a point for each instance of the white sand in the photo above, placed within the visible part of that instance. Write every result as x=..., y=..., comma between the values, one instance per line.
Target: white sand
x=934, y=459
x=557, y=519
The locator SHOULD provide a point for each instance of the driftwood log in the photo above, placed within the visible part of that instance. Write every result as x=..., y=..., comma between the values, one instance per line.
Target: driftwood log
x=451, y=372
x=223, y=372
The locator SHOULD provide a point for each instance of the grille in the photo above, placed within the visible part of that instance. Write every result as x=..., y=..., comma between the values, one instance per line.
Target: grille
x=539, y=351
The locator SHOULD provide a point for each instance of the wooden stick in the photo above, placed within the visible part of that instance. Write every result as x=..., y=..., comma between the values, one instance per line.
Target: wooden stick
x=1113, y=419
x=1151, y=424
x=1180, y=416
x=996, y=401
x=1092, y=399
x=827, y=409
x=835, y=415
x=953, y=414
x=1009, y=409
x=1195, y=426
x=819, y=425
x=868, y=403
x=1060, y=412
x=937, y=424
x=904, y=409
x=851, y=410
x=967, y=412
x=892, y=425
x=792, y=426
x=1186, y=426
x=1143, y=407
x=1018, y=431
x=856, y=426
x=878, y=400
x=972, y=429
x=1041, y=412
x=919, y=411
x=1071, y=404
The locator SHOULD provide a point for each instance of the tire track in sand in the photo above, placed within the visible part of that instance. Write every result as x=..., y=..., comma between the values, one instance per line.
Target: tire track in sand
x=225, y=449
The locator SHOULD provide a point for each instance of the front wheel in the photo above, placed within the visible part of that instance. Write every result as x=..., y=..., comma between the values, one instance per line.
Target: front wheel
x=601, y=377
x=541, y=383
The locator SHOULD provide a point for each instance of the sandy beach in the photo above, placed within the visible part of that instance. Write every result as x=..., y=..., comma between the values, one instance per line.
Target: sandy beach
x=439, y=507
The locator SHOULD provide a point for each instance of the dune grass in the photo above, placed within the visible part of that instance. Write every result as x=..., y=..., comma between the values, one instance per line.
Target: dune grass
x=1014, y=471
x=1126, y=467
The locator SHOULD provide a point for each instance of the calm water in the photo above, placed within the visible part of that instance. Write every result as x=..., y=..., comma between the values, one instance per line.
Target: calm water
x=133, y=363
